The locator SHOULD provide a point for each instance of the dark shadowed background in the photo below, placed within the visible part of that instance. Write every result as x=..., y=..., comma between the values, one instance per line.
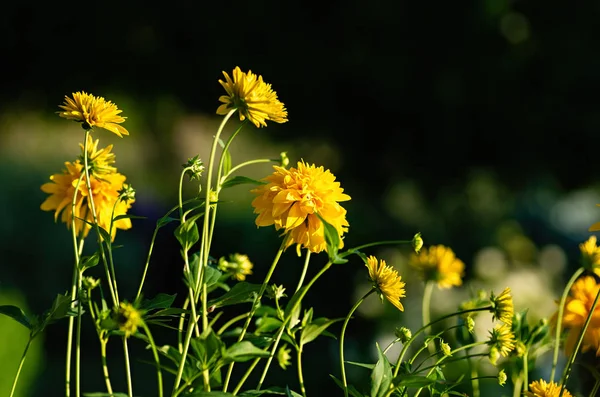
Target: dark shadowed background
x=474, y=123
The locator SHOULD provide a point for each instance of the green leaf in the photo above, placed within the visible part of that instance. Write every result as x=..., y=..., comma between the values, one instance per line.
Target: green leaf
x=87, y=262
x=105, y=235
x=169, y=312
x=243, y=351
x=351, y=389
x=241, y=180
x=270, y=391
x=240, y=293
x=207, y=349
x=364, y=365
x=381, y=377
x=165, y=220
x=16, y=314
x=61, y=308
x=226, y=162
x=187, y=234
x=267, y=324
x=416, y=381
x=332, y=238
x=314, y=329
x=128, y=216
x=160, y=301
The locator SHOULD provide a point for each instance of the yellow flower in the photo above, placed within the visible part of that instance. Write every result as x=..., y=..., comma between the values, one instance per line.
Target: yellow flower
x=577, y=307
x=540, y=388
x=105, y=193
x=238, y=266
x=439, y=264
x=387, y=281
x=502, y=378
x=284, y=357
x=252, y=97
x=502, y=339
x=502, y=306
x=100, y=161
x=128, y=318
x=291, y=200
x=93, y=111
x=590, y=255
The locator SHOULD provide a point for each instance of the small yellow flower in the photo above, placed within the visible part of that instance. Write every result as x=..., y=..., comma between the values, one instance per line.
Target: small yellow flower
x=502, y=339
x=387, y=281
x=93, y=111
x=502, y=306
x=284, y=357
x=439, y=264
x=100, y=161
x=238, y=266
x=541, y=388
x=291, y=200
x=577, y=307
x=417, y=243
x=252, y=97
x=590, y=255
x=446, y=349
x=89, y=283
x=502, y=378
x=128, y=318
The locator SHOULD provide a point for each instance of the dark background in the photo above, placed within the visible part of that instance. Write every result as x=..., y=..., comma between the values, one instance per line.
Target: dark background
x=453, y=119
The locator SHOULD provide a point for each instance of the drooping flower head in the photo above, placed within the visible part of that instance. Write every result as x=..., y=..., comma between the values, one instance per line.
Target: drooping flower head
x=590, y=255
x=100, y=161
x=577, y=307
x=502, y=306
x=502, y=341
x=541, y=388
x=291, y=200
x=439, y=263
x=387, y=281
x=252, y=97
x=106, y=194
x=93, y=111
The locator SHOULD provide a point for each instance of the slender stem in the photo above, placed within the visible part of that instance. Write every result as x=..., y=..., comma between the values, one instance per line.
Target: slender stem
x=73, y=287
x=255, y=305
x=474, y=378
x=147, y=263
x=526, y=369
x=231, y=322
x=569, y=367
x=343, y=334
x=78, y=337
x=559, y=319
x=23, y=356
x=188, y=337
x=518, y=385
x=244, y=164
x=304, y=269
x=300, y=376
x=103, y=343
x=181, y=323
x=454, y=360
x=127, y=368
x=302, y=294
x=595, y=388
x=246, y=375
x=374, y=244
x=427, y=293
x=156, y=359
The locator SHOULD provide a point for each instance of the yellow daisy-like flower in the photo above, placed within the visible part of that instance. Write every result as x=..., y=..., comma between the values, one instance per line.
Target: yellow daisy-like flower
x=502, y=339
x=577, y=307
x=100, y=161
x=541, y=388
x=590, y=255
x=387, y=281
x=128, y=318
x=291, y=200
x=238, y=266
x=502, y=306
x=252, y=97
x=439, y=263
x=105, y=193
x=93, y=111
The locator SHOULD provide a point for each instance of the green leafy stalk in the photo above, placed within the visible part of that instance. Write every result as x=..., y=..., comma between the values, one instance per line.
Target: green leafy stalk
x=426, y=309
x=156, y=359
x=300, y=375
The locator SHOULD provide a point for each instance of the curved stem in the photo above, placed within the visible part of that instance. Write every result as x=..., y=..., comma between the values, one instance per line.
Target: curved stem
x=139, y=292
x=595, y=388
x=222, y=159
x=300, y=376
x=427, y=293
x=304, y=269
x=181, y=324
x=231, y=322
x=246, y=375
x=518, y=385
x=559, y=318
x=23, y=356
x=474, y=377
x=156, y=359
x=255, y=305
x=353, y=250
x=244, y=164
x=127, y=368
x=78, y=337
x=526, y=369
x=302, y=293
x=343, y=334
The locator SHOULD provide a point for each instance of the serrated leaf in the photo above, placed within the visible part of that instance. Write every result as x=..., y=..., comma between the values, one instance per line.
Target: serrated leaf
x=381, y=376
x=240, y=293
x=244, y=351
x=314, y=329
x=16, y=314
x=241, y=180
x=128, y=216
x=160, y=301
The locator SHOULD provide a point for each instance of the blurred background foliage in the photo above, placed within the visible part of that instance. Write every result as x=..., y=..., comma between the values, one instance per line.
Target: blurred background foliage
x=472, y=122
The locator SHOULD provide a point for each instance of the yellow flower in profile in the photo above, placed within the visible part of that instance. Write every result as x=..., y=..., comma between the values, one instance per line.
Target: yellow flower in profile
x=590, y=255
x=502, y=340
x=541, y=388
x=439, y=263
x=291, y=200
x=100, y=161
x=128, y=318
x=238, y=266
x=502, y=306
x=105, y=193
x=387, y=281
x=93, y=111
x=577, y=307
x=252, y=97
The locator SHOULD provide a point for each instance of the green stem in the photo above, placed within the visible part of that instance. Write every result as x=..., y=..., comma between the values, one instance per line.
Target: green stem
x=302, y=292
x=304, y=269
x=518, y=385
x=427, y=293
x=474, y=378
x=244, y=164
x=353, y=250
x=559, y=319
x=220, y=179
x=103, y=343
x=343, y=334
x=454, y=360
x=569, y=367
x=181, y=324
x=231, y=322
x=14, y=386
x=127, y=368
x=300, y=376
x=526, y=370
x=139, y=293
x=246, y=375
x=255, y=305
x=78, y=336
x=595, y=389
x=156, y=359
